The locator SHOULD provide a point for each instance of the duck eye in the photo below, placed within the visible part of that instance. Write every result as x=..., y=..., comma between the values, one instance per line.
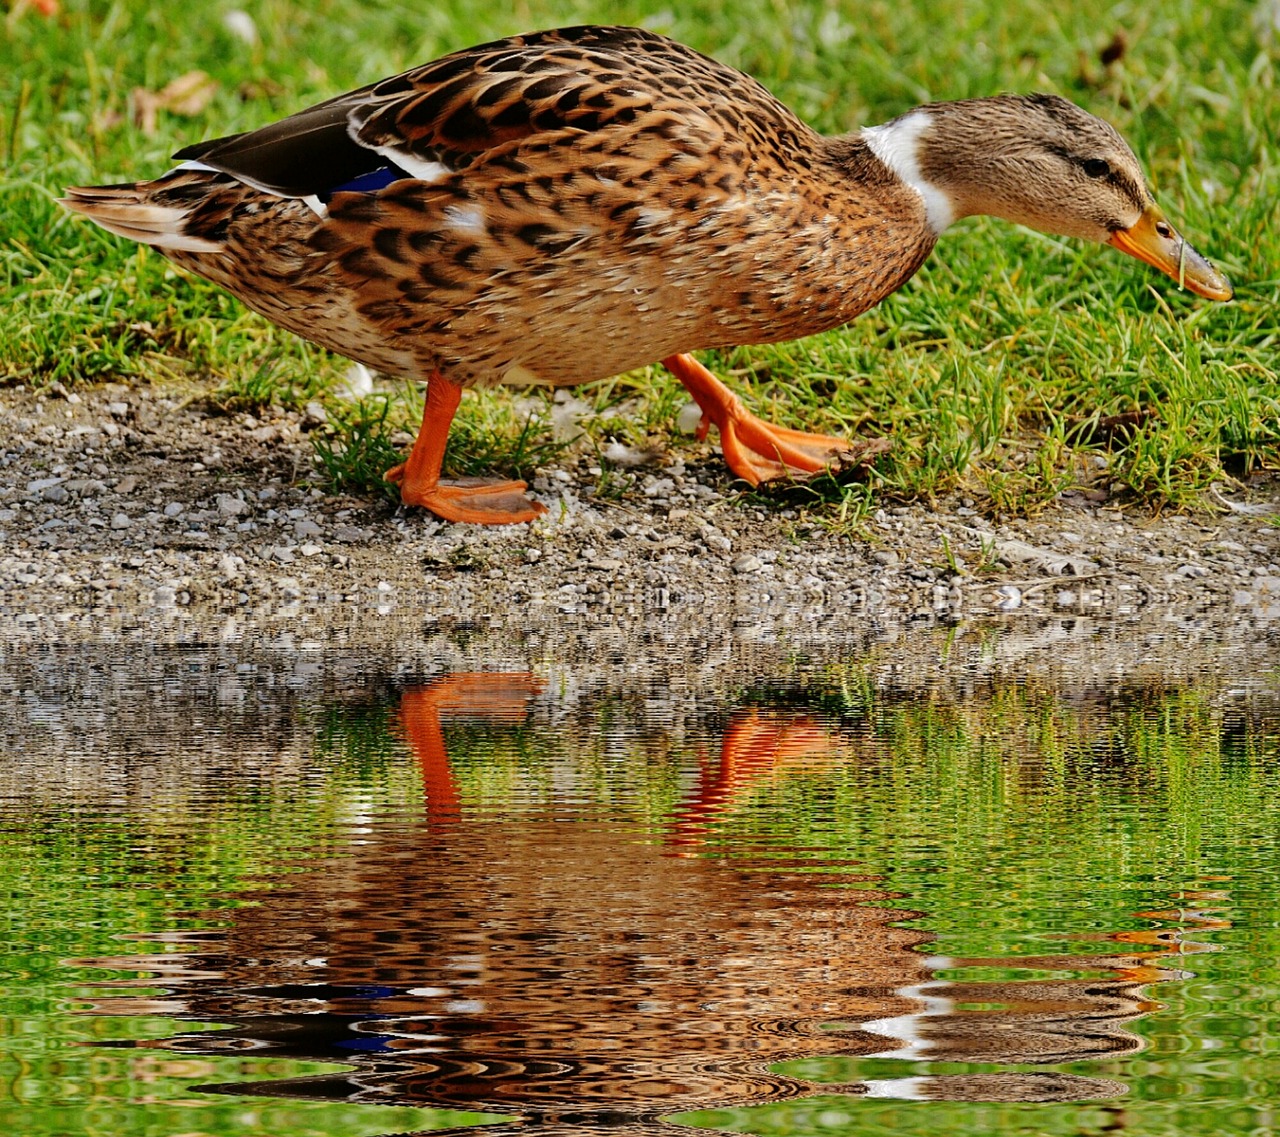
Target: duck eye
x=1096, y=167
x=1164, y=229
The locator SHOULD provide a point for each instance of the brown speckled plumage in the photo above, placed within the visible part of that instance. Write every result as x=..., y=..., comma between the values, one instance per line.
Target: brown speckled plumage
x=616, y=198
x=559, y=207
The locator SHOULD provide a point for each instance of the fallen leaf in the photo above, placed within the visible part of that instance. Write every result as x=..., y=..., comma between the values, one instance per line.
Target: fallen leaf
x=186, y=95
x=1109, y=428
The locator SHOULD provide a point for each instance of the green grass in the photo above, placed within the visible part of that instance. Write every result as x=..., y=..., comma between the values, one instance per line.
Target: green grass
x=982, y=369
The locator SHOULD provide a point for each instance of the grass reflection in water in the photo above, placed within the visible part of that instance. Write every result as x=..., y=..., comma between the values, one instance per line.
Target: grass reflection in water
x=485, y=898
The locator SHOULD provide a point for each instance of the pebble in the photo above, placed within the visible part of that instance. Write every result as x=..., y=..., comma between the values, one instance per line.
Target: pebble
x=714, y=539
x=747, y=563
x=120, y=521
x=230, y=506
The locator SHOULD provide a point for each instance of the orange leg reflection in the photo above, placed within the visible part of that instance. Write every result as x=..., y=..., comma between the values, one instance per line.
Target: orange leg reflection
x=757, y=746
x=485, y=695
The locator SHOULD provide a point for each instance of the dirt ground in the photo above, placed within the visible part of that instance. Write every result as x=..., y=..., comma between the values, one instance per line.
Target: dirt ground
x=133, y=512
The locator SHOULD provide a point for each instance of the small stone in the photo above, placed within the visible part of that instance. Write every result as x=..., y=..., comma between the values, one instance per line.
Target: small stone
x=714, y=539
x=306, y=528
x=120, y=521
x=688, y=418
x=229, y=505
x=127, y=484
x=55, y=494
x=747, y=563
x=886, y=557
x=118, y=410
x=174, y=509
x=356, y=383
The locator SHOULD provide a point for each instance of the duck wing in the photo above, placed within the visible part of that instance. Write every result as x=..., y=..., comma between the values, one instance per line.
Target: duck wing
x=623, y=87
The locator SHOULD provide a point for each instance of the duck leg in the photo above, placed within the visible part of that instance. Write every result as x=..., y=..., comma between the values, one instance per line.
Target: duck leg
x=755, y=450
x=480, y=501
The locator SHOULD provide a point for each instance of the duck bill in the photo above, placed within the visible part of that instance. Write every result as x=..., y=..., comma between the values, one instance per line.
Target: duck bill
x=1154, y=240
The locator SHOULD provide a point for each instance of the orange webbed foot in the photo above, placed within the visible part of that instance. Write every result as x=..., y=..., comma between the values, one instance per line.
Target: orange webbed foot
x=477, y=501
x=756, y=450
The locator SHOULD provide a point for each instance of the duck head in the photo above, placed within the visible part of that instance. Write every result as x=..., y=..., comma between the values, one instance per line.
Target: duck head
x=1040, y=161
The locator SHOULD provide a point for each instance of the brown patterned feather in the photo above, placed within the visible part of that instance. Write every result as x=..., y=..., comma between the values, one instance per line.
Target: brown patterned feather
x=594, y=199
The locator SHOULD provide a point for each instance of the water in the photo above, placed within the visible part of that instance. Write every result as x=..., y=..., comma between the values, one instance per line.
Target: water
x=809, y=904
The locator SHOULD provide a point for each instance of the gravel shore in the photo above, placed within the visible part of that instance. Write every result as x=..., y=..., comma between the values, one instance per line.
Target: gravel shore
x=131, y=512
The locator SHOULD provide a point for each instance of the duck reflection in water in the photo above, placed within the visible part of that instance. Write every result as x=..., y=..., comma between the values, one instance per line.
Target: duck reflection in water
x=564, y=967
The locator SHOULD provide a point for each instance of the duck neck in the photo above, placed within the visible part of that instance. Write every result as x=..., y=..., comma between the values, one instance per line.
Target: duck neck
x=898, y=144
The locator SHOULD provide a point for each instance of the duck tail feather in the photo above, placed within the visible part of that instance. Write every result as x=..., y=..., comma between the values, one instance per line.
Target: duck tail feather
x=130, y=210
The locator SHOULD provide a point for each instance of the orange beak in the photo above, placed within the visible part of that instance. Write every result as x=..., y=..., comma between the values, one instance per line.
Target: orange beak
x=1154, y=240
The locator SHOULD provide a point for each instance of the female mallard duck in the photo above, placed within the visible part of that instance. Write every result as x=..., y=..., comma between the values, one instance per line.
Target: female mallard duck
x=560, y=207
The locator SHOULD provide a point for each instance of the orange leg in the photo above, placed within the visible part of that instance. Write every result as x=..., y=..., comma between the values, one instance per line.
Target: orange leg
x=755, y=450
x=481, y=501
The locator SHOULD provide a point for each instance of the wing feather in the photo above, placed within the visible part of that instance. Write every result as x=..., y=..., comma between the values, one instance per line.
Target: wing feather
x=625, y=87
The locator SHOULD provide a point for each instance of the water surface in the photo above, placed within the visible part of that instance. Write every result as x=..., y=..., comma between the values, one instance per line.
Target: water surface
x=487, y=899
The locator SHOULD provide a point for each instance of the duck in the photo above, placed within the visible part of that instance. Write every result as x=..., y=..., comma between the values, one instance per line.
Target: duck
x=560, y=207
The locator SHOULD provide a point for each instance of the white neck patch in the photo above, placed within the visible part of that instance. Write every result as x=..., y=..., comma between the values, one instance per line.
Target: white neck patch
x=897, y=145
